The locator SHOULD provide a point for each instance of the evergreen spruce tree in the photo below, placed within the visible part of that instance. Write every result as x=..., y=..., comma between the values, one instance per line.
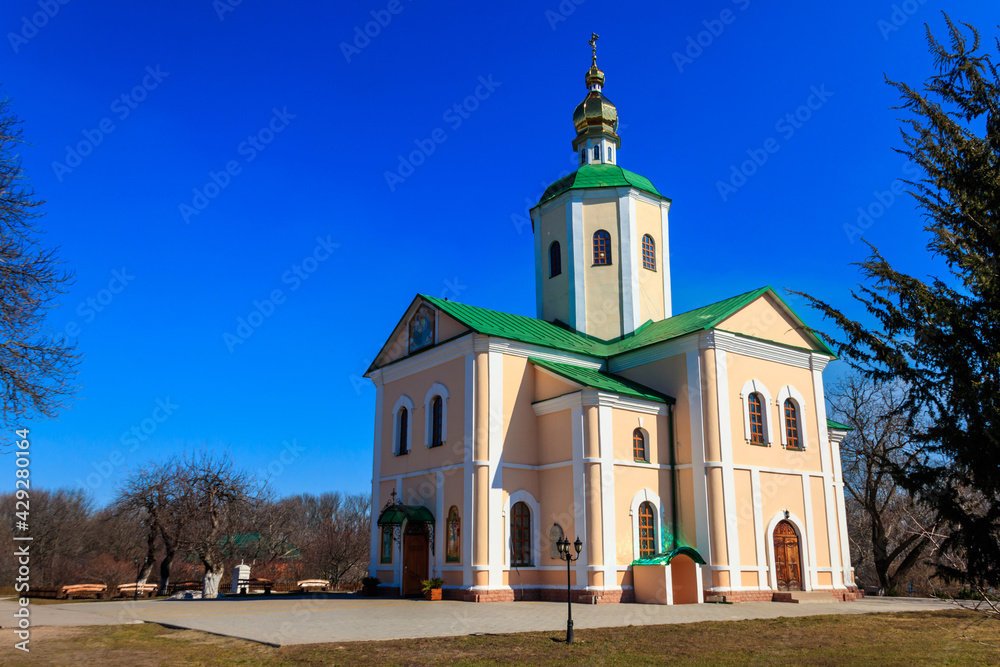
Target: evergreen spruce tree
x=941, y=338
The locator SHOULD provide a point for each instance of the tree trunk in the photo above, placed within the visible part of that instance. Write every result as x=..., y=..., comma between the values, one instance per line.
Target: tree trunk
x=165, y=571
x=210, y=585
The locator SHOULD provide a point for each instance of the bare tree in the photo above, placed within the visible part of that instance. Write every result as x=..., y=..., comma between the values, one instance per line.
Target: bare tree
x=218, y=501
x=333, y=532
x=36, y=369
x=60, y=524
x=885, y=532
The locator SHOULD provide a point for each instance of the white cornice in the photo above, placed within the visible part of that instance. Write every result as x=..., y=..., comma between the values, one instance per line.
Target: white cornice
x=426, y=359
x=513, y=348
x=722, y=340
x=558, y=404
x=610, y=400
x=597, y=193
x=654, y=352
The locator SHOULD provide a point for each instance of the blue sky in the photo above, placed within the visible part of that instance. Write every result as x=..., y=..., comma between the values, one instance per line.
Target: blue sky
x=207, y=163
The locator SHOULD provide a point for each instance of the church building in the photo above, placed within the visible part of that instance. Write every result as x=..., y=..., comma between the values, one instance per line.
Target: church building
x=690, y=453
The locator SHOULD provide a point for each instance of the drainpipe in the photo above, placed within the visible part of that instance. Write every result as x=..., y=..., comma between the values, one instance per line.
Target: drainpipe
x=673, y=478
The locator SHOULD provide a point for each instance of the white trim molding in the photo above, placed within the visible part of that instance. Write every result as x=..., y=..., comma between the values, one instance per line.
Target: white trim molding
x=788, y=392
x=437, y=389
x=646, y=496
x=522, y=496
x=403, y=401
x=757, y=387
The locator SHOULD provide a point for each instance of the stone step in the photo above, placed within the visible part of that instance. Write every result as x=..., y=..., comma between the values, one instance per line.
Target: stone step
x=807, y=597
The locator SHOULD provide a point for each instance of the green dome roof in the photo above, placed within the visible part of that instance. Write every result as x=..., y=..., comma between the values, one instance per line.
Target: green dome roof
x=599, y=176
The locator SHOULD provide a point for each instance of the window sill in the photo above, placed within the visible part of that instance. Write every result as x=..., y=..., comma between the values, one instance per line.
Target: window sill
x=641, y=461
x=440, y=444
x=608, y=264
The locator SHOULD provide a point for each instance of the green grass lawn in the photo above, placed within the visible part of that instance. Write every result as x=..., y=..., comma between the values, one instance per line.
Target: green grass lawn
x=921, y=638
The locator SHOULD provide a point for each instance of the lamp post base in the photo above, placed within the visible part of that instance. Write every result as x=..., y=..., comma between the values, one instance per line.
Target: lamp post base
x=569, y=632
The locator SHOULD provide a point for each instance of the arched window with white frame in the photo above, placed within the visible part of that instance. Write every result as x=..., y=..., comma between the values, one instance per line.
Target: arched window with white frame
x=757, y=404
x=436, y=415
x=644, y=526
x=402, y=426
x=793, y=418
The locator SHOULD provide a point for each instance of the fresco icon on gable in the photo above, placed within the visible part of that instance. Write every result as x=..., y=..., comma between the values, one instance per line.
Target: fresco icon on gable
x=422, y=328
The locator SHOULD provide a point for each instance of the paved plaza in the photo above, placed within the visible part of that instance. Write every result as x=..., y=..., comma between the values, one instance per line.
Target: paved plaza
x=287, y=620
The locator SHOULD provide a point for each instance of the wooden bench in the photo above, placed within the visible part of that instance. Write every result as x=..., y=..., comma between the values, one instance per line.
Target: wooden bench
x=82, y=591
x=185, y=586
x=129, y=590
x=254, y=585
x=310, y=585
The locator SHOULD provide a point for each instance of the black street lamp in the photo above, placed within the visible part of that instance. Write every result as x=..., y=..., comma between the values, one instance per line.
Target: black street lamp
x=565, y=554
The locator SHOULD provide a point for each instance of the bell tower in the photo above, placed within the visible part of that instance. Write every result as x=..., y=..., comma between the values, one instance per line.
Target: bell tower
x=602, y=263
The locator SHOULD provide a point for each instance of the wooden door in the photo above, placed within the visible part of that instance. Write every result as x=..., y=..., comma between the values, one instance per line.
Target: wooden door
x=787, y=561
x=416, y=553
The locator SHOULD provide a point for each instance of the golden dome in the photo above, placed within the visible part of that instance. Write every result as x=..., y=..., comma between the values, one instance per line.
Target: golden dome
x=596, y=111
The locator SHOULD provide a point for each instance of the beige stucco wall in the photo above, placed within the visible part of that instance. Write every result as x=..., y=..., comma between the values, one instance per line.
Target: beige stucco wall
x=452, y=375
x=624, y=423
x=630, y=480
x=555, y=291
x=602, y=283
x=670, y=377
x=819, y=522
x=764, y=318
x=555, y=431
x=548, y=386
x=774, y=376
x=448, y=328
x=519, y=432
x=744, y=519
x=648, y=221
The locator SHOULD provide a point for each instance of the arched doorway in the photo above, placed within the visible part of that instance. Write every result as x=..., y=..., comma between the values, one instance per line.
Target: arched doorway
x=416, y=557
x=787, y=557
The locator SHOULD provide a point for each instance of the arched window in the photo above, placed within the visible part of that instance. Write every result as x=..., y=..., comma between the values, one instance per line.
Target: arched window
x=791, y=425
x=555, y=259
x=602, y=247
x=597, y=153
x=610, y=154
x=404, y=423
x=520, y=534
x=647, y=530
x=648, y=253
x=454, y=536
x=437, y=409
x=583, y=156
x=639, y=445
x=756, y=419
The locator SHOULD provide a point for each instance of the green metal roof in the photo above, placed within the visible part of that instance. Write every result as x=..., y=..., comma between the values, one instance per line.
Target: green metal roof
x=520, y=328
x=599, y=176
x=546, y=334
x=664, y=559
x=394, y=515
x=603, y=381
x=838, y=426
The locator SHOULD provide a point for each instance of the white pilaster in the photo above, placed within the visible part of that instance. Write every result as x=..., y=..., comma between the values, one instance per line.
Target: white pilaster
x=664, y=259
x=608, y=496
x=376, y=550
x=628, y=267
x=828, y=468
x=810, y=580
x=541, y=270
x=698, y=455
x=496, y=527
x=468, y=509
x=576, y=264
x=440, y=525
x=728, y=479
x=579, y=495
x=758, y=527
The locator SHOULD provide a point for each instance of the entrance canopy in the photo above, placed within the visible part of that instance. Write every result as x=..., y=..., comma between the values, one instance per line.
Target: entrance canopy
x=664, y=559
x=394, y=515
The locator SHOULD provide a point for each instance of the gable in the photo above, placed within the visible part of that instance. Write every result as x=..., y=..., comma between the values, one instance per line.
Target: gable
x=422, y=327
x=768, y=319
